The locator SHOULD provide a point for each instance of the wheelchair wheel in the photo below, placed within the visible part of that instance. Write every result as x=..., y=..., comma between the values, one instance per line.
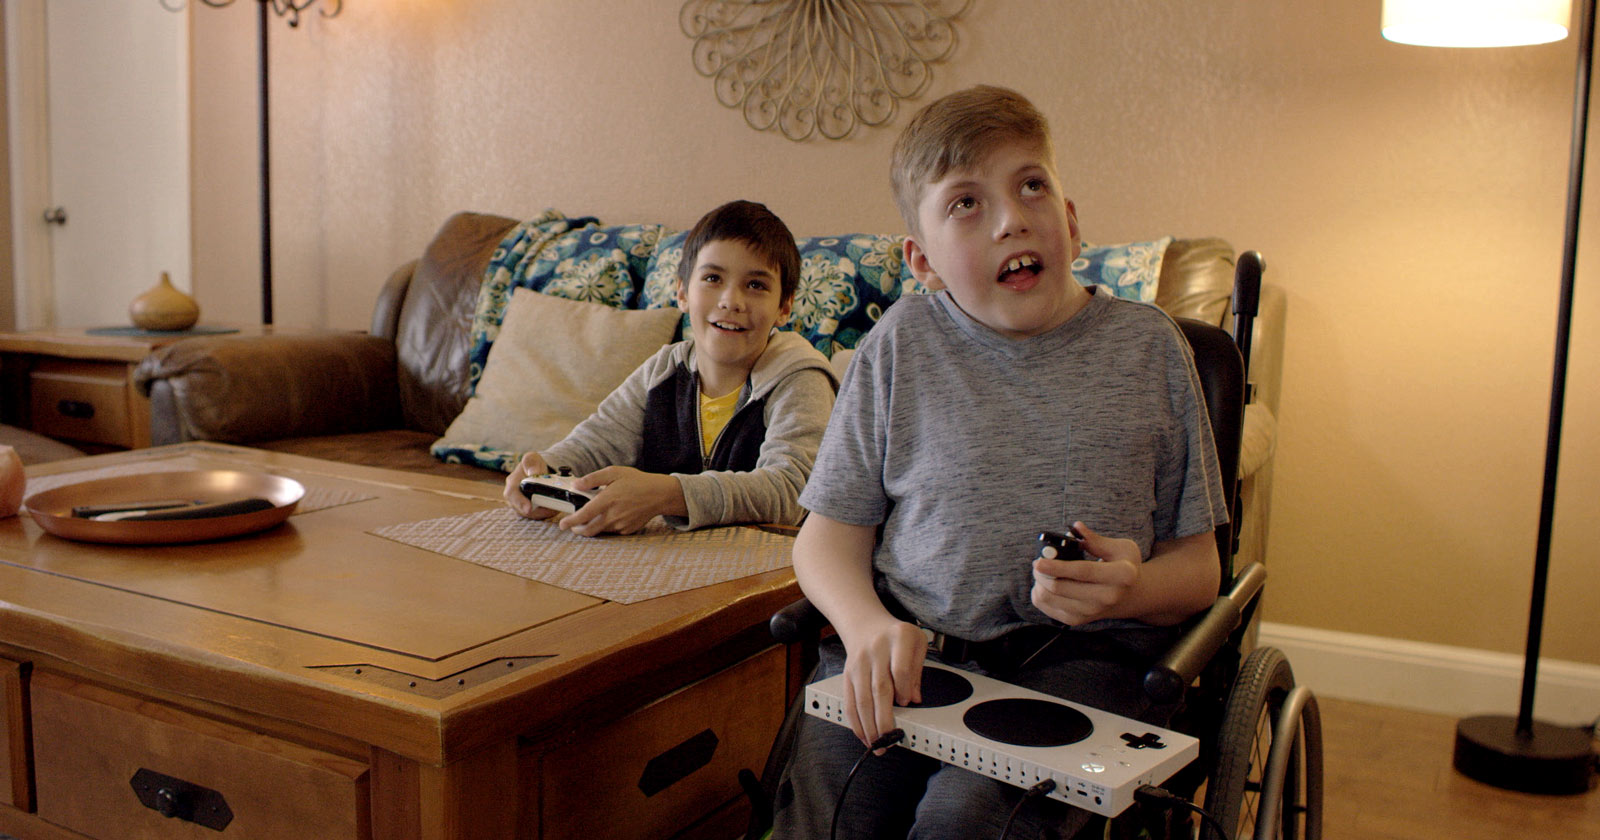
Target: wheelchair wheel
x=1252, y=723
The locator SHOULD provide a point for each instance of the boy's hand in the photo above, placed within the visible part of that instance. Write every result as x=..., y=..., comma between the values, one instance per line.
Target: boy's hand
x=628, y=499
x=531, y=464
x=1081, y=591
x=882, y=668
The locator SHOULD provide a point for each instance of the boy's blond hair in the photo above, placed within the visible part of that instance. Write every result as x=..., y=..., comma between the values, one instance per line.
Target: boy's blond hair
x=955, y=132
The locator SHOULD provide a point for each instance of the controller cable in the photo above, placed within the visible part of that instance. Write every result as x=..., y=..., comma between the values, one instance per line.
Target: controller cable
x=1038, y=790
x=1166, y=800
x=889, y=739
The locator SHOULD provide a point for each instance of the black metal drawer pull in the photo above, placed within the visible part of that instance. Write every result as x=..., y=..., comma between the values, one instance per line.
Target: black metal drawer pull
x=76, y=409
x=187, y=801
x=670, y=767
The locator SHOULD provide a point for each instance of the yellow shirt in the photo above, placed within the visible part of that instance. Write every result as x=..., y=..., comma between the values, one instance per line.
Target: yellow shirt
x=715, y=412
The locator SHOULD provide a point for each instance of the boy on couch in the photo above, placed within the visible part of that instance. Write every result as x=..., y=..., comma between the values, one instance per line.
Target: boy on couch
x=718, y=428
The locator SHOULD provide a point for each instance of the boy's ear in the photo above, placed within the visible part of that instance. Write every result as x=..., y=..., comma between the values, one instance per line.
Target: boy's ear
x=921, y=269
x=1072, y=225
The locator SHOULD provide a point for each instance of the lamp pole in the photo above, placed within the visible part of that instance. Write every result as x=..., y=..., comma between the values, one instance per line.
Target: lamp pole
x=266, y=165
x=291, y=10
x=1522, y=753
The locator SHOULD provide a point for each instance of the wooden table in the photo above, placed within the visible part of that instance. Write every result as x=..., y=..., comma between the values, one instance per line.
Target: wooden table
x=329, y=683
x=77, y=386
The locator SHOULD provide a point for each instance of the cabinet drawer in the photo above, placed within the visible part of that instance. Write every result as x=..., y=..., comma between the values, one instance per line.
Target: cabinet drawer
x=668, y=764
x=89, y=744
x=87, y=401
x=14, y=777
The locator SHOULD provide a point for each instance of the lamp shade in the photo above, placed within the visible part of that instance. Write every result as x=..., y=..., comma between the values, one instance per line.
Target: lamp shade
x=1475, y=23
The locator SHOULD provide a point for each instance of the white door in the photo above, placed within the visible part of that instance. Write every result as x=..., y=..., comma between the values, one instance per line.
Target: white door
x=112, y=156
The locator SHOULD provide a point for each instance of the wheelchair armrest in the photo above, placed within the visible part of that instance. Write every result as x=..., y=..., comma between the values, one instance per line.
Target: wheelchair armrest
x=798, y=622
x=1167, y=679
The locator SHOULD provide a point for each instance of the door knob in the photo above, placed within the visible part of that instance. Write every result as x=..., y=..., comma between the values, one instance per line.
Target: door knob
x=55, y=216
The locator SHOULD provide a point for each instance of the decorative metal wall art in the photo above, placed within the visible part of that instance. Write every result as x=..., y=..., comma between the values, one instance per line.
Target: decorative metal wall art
x=290, y=9
x=819, y=66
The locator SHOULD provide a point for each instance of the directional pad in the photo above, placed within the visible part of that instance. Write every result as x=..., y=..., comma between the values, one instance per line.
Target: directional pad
x=1148, y=740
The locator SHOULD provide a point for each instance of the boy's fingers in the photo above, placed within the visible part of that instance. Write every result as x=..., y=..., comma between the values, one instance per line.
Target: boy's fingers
x=1051, y=571
x=598, y=478
x=852, y=711
x=883, y=701
x=908, y=679
x=882, y=705
x=852, y=714
x=582, y=521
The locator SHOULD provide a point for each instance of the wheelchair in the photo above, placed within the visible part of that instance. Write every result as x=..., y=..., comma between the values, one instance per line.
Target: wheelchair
x=1260, y=766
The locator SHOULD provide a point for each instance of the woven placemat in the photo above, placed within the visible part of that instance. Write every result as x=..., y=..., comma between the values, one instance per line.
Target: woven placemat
x=627, y=569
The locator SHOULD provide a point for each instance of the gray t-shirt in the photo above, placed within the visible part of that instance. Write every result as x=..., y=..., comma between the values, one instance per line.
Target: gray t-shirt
x=963, y=444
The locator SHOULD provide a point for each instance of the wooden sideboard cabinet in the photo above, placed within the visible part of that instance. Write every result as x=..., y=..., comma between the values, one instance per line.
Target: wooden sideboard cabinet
x=77, y=387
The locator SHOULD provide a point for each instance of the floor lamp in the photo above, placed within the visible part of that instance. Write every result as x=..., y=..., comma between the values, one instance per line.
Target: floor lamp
x=1521, y=753
x=291, y=10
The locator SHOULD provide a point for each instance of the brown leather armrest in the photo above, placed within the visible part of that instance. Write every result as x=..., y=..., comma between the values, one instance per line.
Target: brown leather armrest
x=239, y=389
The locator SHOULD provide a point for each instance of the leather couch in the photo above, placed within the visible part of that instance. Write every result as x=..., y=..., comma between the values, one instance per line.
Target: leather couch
x=381, y=398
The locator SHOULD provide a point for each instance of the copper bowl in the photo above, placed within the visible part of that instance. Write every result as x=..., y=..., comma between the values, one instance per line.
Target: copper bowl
x=52, y=509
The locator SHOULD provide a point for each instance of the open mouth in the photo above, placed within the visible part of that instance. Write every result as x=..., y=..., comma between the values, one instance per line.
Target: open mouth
x=1020, y=269
x=727, y=327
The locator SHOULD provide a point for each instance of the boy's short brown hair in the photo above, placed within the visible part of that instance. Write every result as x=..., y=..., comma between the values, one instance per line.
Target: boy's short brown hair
x=955, y=132
x=755, y=226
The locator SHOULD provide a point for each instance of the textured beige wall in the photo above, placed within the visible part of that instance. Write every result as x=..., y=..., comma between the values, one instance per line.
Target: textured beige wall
x=1408, y=200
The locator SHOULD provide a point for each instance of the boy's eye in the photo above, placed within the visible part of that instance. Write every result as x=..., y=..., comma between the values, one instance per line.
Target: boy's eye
x=1034, y=186
x=710, y=277
x=963, y=205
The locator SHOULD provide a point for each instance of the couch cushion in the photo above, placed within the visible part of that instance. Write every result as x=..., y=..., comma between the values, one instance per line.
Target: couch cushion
x=432, y=340
x=1131, y=270
x=573, y=258
x=1197, y=280
x=603, y=264
x=552, y=363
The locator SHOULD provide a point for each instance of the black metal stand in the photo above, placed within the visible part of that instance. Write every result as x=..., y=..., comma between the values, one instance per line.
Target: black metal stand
x=266, y=168
x=1521, y=753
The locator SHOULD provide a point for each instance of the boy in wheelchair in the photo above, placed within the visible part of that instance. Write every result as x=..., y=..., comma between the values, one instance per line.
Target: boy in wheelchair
x=1012, y=401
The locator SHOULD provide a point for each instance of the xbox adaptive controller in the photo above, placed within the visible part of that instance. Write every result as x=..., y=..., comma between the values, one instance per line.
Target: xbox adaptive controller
x=1054, y=545
x=555, y=491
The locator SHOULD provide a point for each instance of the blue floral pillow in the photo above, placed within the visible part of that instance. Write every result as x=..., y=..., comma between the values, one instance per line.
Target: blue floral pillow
x=661, y=273
x=1129, y=271
x=845, y=284
x=577, y=259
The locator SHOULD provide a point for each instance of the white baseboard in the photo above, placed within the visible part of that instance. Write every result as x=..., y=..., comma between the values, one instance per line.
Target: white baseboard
x=1442, y=679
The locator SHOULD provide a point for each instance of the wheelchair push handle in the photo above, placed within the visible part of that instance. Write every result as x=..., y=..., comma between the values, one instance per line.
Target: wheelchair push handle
x=1246, y=303
x=1166, y=680
x=1247, y=283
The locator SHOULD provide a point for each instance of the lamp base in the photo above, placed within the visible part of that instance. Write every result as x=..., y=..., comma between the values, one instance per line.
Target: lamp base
x=1550, y=759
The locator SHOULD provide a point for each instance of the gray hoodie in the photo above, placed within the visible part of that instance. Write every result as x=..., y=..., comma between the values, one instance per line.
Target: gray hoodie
x=759, y=463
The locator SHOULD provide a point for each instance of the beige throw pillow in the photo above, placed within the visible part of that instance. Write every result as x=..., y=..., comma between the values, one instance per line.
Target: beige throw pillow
x=553, y=362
